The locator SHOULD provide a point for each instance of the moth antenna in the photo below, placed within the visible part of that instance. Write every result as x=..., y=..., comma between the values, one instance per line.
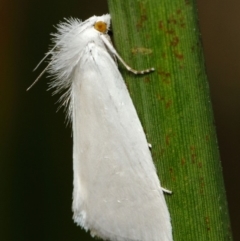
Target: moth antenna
x=47, y=54
x=50, y=52
x=53, y=48
x=37, y=79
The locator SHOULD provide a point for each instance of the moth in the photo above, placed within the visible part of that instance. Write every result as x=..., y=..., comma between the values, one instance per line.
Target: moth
x=117, y=194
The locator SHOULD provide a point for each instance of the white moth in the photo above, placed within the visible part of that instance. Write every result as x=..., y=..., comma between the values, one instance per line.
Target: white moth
x=117, y=194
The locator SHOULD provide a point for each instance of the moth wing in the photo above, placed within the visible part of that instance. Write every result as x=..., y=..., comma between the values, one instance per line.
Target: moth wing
x=117, y=193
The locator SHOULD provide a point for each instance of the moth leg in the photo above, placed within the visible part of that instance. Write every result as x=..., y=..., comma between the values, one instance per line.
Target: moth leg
x=150, y=146
x=166, y=190
x=113, y=50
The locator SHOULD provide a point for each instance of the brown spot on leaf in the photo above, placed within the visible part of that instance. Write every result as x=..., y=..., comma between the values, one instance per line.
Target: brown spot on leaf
x=141, y=50
x=202, y=185
x=169, y=104
x=179, y=11
x=193, y=157
x=207, y=221
x=172, y=20
x=167, y=140
x=164, y=73
x=164, y=55
x=165, y=76
x=183, y=161
x=170, y=31
x=161, y=25
x=169, y=137
x=182, y=24
x=172, y=174
x=146, y=79
x=192, y=148
x=174, y=42
x=161, y=98
x=143, y=16
x=162, y=151
x=178, y=55
x=193, y=154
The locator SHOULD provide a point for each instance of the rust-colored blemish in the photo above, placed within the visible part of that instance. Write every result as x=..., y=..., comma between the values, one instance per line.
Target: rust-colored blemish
x=142, y=50
x=148, y=36
x=164, y=73
x=179, y=11
x=161, y=25
x=202, y=185
x=178, y=55
x=183, y=161
x=207, y=221
x=187, y=2
x=143, y=16
x=162, y=151
x=174, y=42
x=193, y=154
x=172, y=174
x=164, y=55
x=193, y=157
x=166, y=81
x=165, y=76
x=182, y=24
x=140, y=22
x=171, y=28
x=200, y=164
x=161, y=98
x=170, y=31
x=207, y=137
x=167, y=139
x=177, y=19
x=147, y=80
x=172, y=20
x=169, y=104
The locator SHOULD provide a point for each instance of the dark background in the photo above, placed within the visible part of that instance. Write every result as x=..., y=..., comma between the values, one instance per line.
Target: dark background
x=36, y=145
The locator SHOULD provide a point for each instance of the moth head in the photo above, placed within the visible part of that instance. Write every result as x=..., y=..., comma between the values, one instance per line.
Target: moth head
x=101, y=26
x=102, y=23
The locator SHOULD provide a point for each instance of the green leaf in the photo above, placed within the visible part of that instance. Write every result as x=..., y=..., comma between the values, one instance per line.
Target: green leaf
x=174, y=106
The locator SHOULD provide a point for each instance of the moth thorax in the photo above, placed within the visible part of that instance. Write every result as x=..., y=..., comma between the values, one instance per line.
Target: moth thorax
x=101, y=26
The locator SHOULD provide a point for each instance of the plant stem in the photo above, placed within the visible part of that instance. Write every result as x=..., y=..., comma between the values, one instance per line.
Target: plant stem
x=174, y=106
